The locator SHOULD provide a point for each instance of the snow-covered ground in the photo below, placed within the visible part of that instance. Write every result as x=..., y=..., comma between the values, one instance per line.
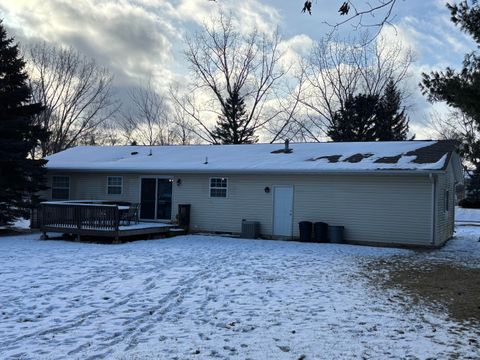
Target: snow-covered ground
x=20, y=224
x=197, y=297
x=470, y=216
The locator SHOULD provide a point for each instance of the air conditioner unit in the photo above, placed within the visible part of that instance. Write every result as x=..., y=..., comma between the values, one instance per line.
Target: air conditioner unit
x=250, y=229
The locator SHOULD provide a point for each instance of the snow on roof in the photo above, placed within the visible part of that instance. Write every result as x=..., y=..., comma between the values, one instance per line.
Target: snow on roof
x=258, y=158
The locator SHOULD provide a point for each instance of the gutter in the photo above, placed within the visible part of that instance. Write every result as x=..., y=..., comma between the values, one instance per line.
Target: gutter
x=433, y=180
x=407, y=172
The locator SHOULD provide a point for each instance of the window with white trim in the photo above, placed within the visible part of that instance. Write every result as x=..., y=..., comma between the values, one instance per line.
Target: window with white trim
x=114, y=185
x=60, y=187
x=447, y=200
x=218, y=187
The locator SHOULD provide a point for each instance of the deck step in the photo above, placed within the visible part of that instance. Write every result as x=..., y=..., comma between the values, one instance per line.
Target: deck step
x=176, y=231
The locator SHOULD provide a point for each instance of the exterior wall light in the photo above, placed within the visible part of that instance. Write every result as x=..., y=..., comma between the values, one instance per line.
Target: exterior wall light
x=267, y=189
x=179, y=182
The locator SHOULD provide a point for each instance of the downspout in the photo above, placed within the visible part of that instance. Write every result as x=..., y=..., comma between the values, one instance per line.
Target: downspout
x=433, y=180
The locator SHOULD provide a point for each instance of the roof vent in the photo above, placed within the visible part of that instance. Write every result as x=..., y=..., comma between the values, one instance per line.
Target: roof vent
x=285, y=150
x=150, y=154
x=134, y=153
x=206, y=160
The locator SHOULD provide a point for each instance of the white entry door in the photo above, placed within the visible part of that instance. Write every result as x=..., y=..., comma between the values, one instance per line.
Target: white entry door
x=282, y=210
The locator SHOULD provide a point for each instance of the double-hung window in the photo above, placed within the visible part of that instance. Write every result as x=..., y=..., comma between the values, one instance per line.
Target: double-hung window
x=60, y=188
x=218, y=187
x=114, y=185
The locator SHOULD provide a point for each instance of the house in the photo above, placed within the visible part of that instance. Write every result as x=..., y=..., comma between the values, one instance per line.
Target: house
x=399, y=193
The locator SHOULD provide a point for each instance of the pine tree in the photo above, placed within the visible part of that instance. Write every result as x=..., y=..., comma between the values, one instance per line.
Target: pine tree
x=233, y=126
x=391, y=121
x=20, y=177
x=355, y=121
x=460, y=89
x=473, y=191
x=371, y=118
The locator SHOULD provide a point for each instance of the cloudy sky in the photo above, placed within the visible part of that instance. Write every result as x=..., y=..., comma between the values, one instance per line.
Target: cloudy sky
x=142, y=39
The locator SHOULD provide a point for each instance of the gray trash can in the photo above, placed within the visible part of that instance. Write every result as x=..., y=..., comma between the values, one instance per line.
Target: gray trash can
x=335, y=234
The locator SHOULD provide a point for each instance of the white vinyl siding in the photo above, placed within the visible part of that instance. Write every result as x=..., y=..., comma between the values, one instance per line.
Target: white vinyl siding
x=85, y=186
x=373, y=208
x=445, y=219
x=114, y=185
x=447, y=201
x=60, y=187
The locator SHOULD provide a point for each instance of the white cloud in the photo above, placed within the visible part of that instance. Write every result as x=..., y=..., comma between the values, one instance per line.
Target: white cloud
x=142, y=39
x=294, y=48
x=247, y=14
x=125, y=37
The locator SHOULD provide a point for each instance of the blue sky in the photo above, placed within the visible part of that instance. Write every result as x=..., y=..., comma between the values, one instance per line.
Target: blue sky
x=142, y=39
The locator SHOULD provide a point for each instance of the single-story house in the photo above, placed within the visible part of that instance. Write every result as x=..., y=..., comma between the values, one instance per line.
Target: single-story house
x=399, y=192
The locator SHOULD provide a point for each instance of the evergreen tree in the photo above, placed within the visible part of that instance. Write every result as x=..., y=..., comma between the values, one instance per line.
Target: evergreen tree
x=391, y=120
x=355, y=121
x=20, y=177
x=370, y=118
x=233, y=126
x=460, y=90
x=473, y=191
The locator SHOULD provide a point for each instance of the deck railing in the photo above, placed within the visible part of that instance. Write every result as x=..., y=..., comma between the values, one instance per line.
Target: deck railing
x=68, y=215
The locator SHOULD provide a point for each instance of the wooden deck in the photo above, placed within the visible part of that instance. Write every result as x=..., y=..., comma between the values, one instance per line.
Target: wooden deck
x=95, y=219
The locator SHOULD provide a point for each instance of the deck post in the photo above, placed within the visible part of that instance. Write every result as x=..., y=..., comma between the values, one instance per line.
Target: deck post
x=116, y=215
x=78, y=220
x=42, y=216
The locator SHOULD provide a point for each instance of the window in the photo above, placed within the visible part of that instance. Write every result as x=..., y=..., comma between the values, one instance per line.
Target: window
x=218, y=187
x=447, y=200
x=60, y=188
x=114, y=185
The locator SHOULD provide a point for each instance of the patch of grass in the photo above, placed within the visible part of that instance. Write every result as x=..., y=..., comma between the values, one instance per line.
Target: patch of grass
x=445, y=285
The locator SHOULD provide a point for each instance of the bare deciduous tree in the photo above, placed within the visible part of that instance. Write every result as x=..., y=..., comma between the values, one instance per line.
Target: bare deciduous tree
x=184, y=128
x=151, y=120
x=189, y=110
x=221, y=59
x=358, y=14
x=366, y=14
x=337, y=69
x=458, y=126
x=291, y=122
x=451, y=125
x=108, y=133
x=146, y=119
x=75, y=91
